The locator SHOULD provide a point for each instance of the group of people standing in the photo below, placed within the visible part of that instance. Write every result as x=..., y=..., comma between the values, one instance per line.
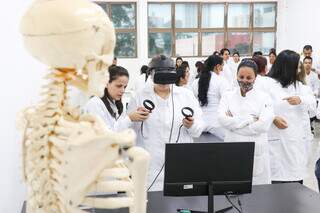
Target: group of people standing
x=236, y=101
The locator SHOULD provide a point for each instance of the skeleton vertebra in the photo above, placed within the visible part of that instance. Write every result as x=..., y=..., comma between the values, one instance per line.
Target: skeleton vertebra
x=67, y=155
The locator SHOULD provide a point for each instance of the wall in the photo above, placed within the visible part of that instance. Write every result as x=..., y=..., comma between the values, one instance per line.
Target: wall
x=297, y=25
x=21, y=76
x=21, y=80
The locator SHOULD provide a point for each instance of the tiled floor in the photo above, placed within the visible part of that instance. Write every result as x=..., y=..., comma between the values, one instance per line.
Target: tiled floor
x=311, y=181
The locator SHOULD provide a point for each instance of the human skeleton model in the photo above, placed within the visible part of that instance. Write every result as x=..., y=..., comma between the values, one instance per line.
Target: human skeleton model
x=68, y=155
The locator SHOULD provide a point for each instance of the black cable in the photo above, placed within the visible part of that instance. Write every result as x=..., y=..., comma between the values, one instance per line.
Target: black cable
x=187, y=114
x=172, y=121
x=239, y=203
x=154, y=180
x=232, y=204
x=179, y=133
x=149, y=105
x=171, y=130
x=141, y=129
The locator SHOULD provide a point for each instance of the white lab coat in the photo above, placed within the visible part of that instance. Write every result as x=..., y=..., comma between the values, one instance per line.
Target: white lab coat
x=242, y=127
x=234, y=67
x=263, y=83
x=288, y=146
x=96, y=106
x=217, y=86
x=307, y=111
x=192, y=77
x=156, y=129
x=228, y=73
x=318, y=111
x=313, y=82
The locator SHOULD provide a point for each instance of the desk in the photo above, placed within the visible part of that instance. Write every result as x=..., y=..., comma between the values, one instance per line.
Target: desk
x=277, y=198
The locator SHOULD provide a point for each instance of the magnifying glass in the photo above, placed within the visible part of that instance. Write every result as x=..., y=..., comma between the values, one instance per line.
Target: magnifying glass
x=149, y=105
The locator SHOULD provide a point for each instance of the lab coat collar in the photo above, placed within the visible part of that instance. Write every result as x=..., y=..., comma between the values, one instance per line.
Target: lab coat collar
x=112, y=102
x=248, y=94
x=215, y=74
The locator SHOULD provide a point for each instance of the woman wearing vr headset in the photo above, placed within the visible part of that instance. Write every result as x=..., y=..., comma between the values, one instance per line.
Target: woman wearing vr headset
x=209, y=89
x=165, y=124
x=110, y=108
x=247, y=114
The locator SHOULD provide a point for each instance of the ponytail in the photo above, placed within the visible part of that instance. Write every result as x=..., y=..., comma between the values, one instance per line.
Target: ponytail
x=205, y=76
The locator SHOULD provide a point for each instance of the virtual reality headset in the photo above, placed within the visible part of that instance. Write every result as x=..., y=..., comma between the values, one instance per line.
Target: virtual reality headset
x=163, y=69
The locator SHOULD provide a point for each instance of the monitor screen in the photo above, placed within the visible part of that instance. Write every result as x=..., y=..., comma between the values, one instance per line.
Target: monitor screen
x=190, y=167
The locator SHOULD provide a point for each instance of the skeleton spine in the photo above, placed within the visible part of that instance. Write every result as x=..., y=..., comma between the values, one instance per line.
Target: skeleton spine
x=42, y=177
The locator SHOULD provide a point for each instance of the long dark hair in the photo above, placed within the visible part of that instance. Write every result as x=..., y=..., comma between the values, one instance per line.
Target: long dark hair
x=178, y=58
x=205, y=76
x=284, y=69
x=114, y=73
x=200, y=67
x=145, y=70
x=181, y=73
x=272, y=51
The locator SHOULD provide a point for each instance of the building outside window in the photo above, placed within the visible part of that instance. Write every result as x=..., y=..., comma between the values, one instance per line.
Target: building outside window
x=198, y=29
x=123, y=15
x=195, y=29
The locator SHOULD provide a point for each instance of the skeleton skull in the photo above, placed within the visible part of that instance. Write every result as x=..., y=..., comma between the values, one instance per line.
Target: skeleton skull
x=71, y=35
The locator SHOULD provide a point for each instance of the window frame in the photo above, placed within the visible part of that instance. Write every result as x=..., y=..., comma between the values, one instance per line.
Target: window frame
x=125, y=30
x=225, y=30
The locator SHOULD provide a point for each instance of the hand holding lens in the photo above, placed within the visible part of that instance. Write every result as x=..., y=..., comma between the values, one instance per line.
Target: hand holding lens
x=149, y=105
x=187, y=112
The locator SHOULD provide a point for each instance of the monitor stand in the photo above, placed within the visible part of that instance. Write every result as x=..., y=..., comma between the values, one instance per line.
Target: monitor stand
x=211, y=203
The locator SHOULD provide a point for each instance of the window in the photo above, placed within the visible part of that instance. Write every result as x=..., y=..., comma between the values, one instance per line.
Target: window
x=160, y=43
x=123, y=16
x=239, y=41
x=238, y=15
x=212, y=16
x=198, y=29
x=186, y=15
x=263, y=41
x=160, y=36
x=187, y=44
x=212, y=41
x=159, y=16
x=264, y=15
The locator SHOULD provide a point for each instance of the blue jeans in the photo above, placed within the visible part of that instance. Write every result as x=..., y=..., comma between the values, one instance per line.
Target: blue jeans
x=317, y=172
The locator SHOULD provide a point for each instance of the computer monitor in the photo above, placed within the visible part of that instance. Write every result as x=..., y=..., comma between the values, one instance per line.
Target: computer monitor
x=191, y=167
x=194, y=169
